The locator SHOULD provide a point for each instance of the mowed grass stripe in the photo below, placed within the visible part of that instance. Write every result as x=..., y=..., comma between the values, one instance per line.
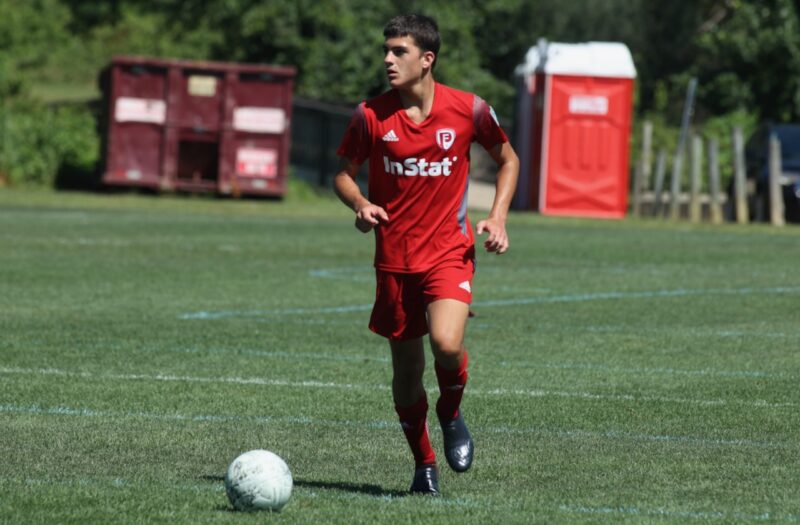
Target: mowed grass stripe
x=622, y=511
x=261, y=381
x=377, y=357
x=391, y=425
x=305, y=490
x=521, y=301
x=489, y=359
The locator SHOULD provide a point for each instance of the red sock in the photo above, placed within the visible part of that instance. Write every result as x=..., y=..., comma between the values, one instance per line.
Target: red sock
x=451, y=389
x=414, y=420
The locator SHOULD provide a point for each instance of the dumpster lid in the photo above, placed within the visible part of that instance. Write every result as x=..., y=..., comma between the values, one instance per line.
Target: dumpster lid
x=595, y=59
x=205, y=65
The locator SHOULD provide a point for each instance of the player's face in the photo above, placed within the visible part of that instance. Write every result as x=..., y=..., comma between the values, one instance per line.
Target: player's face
x=405, y=62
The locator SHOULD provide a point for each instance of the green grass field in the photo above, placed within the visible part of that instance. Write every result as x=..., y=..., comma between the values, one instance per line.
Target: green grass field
x=630, y=371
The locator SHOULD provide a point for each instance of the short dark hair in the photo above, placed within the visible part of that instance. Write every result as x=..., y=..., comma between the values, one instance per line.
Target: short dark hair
x=423, y=29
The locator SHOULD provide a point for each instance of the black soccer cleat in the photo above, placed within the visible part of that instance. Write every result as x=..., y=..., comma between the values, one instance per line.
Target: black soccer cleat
x=458, y=446
x=426, y=481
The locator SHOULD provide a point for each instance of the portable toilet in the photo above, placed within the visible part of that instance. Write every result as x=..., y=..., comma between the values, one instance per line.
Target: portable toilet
x=197, y=126
x=574, y=105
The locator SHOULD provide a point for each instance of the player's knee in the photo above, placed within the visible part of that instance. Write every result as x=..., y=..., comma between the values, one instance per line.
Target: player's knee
x=446, y=344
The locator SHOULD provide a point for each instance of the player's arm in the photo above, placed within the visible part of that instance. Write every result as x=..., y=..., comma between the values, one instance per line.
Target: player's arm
x=368, y=215
x=507, y=174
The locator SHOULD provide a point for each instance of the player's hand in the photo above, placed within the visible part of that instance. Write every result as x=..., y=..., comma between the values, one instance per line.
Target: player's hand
x=497, y=241
x=369, y=216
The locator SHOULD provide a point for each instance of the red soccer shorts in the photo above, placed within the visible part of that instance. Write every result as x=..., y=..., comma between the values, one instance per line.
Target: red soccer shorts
x=401, y=299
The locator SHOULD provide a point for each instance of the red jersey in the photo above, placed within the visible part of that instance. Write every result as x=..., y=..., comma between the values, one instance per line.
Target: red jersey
x=419, y=173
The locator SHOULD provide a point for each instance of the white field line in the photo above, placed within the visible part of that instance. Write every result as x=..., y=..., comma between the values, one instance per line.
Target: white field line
x=280, y=354
x=710, y=372
x=390, y=425
x=571, y=298
x=757, y=403
x=68, y=241
x=756, y=374
x=112, y=482
x=190, y=379
x=228, y=314
x=301, y=492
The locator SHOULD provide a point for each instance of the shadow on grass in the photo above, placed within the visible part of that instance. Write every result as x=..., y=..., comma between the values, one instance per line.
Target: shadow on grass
x=359, y=488
x=212, y=477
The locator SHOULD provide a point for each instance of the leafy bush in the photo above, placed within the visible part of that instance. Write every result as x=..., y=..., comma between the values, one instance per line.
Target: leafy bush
x=38, y=142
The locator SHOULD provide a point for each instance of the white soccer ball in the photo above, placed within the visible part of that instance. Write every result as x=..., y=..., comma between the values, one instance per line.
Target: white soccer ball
x=258, y=480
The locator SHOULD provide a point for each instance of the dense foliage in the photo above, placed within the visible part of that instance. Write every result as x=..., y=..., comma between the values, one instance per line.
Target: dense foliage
x=745, y=53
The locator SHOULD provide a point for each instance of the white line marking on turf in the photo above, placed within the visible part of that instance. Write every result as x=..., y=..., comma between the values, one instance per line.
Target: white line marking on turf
x=190, y=379
x=114, y=482
x=572, y=298
x=287, y=311
x=757, y=374
x=647, y=370
x=71, y=241
x=639, y=295
x=289, y=355
x=758, y=403
x=352, y=273
x=392, y=425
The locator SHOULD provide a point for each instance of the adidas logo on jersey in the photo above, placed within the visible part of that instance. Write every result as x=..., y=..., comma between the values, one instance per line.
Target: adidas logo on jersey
x=465, y=286
x=391, y=137
x=413, y=166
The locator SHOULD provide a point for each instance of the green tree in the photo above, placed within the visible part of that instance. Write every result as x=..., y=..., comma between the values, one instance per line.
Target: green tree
x=750, y=58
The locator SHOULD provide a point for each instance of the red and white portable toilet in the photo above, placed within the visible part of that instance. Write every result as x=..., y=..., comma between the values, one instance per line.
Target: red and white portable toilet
x=574, y=105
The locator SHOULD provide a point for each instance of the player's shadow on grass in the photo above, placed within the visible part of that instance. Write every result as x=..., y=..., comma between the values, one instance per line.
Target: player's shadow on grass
x=361, y=488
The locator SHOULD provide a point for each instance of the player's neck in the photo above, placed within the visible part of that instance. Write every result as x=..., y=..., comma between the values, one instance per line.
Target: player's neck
x=417, y=99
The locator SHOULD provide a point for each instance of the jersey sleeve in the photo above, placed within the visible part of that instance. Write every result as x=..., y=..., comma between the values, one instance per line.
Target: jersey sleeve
x=488, y=132
x=356, y=143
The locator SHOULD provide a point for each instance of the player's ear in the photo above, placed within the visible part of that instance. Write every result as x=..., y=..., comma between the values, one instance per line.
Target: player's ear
x=428, y=58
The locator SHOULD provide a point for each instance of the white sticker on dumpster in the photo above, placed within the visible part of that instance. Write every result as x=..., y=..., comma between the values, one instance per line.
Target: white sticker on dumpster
x=257, y=162
x=259, y=120
x=588, y=105
x=128, y=109
x=202, y=86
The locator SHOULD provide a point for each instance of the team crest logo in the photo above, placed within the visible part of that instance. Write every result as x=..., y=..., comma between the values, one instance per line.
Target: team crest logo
x=445, y=138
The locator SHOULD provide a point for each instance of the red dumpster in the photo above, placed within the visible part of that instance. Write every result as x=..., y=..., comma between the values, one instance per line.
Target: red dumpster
x=197, y=126
x=573, y=128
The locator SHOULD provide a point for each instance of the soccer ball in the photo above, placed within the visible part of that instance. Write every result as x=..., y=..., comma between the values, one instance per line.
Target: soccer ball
x=258, y=480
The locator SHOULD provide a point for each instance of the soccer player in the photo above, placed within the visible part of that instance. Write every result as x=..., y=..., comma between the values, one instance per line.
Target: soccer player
x=416, y=137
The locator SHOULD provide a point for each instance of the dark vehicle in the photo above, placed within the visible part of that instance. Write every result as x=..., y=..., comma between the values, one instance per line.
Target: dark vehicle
x=757, y=163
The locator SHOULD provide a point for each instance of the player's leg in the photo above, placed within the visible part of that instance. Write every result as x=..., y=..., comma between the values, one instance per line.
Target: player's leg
x=408, y=366
x=411, y=404
x=447, y=323
x=399, y=315
x=447, y=320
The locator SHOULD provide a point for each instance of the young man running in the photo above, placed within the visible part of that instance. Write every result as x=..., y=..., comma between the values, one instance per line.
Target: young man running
x=416, y=137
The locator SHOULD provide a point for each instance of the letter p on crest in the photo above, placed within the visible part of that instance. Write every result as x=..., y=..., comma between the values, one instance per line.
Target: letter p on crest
x=445, y=138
